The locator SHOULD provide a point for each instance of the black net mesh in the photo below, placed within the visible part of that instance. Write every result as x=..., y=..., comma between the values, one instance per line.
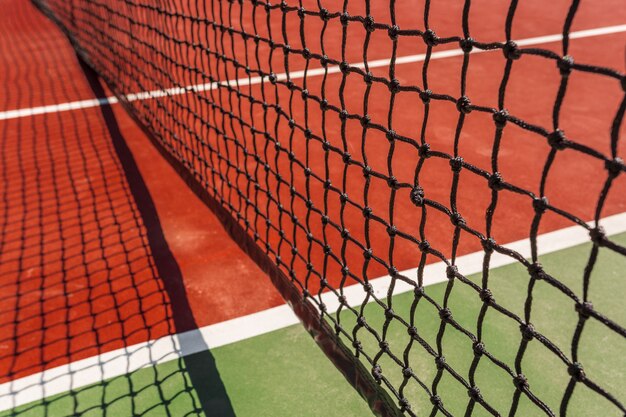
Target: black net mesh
x=355, y=140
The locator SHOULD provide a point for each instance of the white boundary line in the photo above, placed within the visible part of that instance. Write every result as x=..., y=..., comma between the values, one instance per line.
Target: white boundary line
x=242, y=82
x=123, y=361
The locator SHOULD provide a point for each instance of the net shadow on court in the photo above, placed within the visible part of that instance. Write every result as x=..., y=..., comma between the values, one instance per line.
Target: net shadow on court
x=86, y=270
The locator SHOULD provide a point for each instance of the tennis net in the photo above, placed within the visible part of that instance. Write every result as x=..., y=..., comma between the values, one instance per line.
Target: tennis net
x=358, y=150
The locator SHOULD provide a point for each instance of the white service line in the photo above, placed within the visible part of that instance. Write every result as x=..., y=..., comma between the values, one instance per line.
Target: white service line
x=123, y=361
x=314, y=72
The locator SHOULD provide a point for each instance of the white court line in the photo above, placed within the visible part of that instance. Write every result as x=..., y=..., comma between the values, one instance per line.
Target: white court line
x=123, y=361
x=243, y=82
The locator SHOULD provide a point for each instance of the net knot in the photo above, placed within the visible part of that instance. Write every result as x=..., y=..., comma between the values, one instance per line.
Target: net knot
x=391, y=135
x=368, y=289
x=342, y=299
x=474, y=394
x=294, y=250
x=576, y=371
x=500, y=118
x=324, y=14
x=456, y=164
x=369, y=24
x=615, y=166
x=412, y=331
x=464, y=105
x=306, y=53
x=392, y=271
x=344, y=67
x=286, y=49
x=343, y=197
x=511, y=50
x=368, y=77
x=304, y=93
x=436, y=401
x=323, y=308
x=536, y=271
x=301, y=12
x=344, y=18
x=540, y=204
x=430, y=38
x=440, y=362
x=377, y=373
x=424, y=151
x=365, y=120
x=308, y=133
x=419, y=292
x=392, y=231
x=598, y=235
x=445, y=314
x=367, y=254
x=325, y=219
x=360, y=321
x=584, y=309
x=528, y=331
x=343, y=114
x=452, y=271
x=466, y=45
x=479, y=348
x=417, y=196
x=309, y=236
x=489, y=245
x=345, y=271
x=394, y=86
x=392, y=182
x=424, y=245
x=346, y=157
x=367, y=211
x=487, y=296
x=521, y=382
x=557, y=140
x=384, y=345
x=425, y=96
x=326, y=146
x=389, y=313
x=495, y=181
x=404, y=404
x=457, y=220
x=393, y=32
x=565, y=65
x=357, y=345
x=407, y=372
x=324, y=104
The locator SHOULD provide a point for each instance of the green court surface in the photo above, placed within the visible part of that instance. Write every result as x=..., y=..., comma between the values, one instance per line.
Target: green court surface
x=283, y=373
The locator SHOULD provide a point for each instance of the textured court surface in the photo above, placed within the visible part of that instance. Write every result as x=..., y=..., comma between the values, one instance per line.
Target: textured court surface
x=283, y=371
x=103, y=246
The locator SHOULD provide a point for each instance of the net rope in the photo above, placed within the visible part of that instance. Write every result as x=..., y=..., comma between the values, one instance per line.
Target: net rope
x=262, y=117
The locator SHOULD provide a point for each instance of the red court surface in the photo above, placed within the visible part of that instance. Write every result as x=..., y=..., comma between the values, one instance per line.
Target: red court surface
x=104, y=246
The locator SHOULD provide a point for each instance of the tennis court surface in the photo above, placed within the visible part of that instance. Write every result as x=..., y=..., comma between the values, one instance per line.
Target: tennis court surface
x=245, y=208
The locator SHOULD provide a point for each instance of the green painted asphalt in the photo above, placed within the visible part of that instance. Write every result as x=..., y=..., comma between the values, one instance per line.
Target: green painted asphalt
x=283, y=373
